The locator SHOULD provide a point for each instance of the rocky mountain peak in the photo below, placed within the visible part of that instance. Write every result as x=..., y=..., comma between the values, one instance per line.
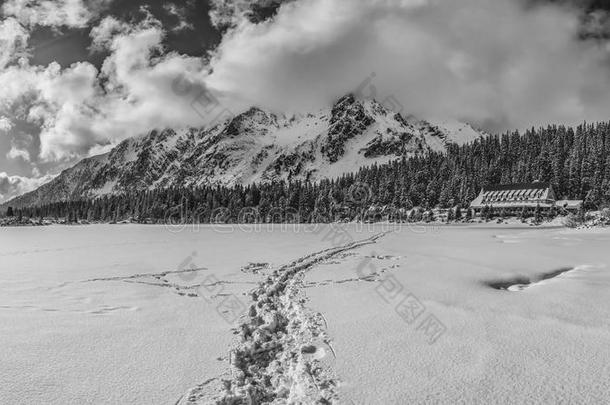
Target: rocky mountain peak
x=254, y=146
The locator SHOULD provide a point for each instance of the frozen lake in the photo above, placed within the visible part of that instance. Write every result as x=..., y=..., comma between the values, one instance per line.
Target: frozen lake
x=69, y=341
x=113, y=313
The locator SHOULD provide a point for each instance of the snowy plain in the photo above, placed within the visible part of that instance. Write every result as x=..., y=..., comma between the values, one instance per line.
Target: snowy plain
x=66, y=340
x=112, y=313
x=549, y=343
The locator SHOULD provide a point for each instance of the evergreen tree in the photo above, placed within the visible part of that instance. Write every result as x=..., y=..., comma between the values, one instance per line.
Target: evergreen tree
x=450, y=215
x=538, y=214
x=523, y=216
x=485, y=212
x=458, y=213
x=580, y=215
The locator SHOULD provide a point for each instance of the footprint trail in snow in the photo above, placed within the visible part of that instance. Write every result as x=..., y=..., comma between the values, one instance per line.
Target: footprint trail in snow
x=283, y=352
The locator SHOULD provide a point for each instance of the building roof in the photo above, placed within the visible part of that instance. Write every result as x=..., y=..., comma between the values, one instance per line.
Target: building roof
x=518, y=186
x=515, y=195
x=515, y=204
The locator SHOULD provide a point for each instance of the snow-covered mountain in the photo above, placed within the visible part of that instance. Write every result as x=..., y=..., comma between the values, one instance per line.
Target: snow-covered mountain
x=255, y=146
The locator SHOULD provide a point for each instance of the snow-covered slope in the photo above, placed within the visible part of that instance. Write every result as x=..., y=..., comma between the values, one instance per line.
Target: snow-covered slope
x=255, y=146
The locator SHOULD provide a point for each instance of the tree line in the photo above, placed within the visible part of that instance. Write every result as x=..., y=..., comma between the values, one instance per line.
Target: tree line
x=576, y=161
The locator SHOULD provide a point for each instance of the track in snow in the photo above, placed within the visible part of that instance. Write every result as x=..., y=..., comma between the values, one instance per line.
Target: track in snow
x=283, y=346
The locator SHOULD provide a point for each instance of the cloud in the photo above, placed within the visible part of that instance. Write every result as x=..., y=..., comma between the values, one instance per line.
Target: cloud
x=496, y=63
x=12, y=186
x=5, y=124
x=54, y=99
x=596, y=24
x=15, y=153
x=229, y=13
x=54, y=13
x=81, y=109
x=180, y=13
x=103, y=33
x=13, y=41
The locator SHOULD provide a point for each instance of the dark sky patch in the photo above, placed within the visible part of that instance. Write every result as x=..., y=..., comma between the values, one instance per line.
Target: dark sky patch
x=67, y=46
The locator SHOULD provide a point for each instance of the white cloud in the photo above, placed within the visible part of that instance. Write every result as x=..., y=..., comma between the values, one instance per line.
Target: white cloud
x=181, y=14
x=103, y=33
x=80, y=109
x=492, y=62
x=225, y=13
x=13, y=41
x=5, y=124
x=15, y=153
x=53, y=13
x=230, y=13
x=12, y=186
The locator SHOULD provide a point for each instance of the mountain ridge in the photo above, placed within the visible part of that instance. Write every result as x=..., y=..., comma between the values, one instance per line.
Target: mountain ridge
x=254, y=146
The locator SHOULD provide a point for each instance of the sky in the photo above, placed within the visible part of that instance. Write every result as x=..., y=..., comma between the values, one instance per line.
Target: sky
x=79, y=76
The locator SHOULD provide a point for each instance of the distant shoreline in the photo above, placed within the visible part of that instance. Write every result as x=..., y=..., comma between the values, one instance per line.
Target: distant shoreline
x=503, y=224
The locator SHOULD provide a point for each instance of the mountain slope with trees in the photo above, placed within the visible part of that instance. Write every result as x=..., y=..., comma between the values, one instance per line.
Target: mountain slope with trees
x=253, y=147
x=576, y=161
